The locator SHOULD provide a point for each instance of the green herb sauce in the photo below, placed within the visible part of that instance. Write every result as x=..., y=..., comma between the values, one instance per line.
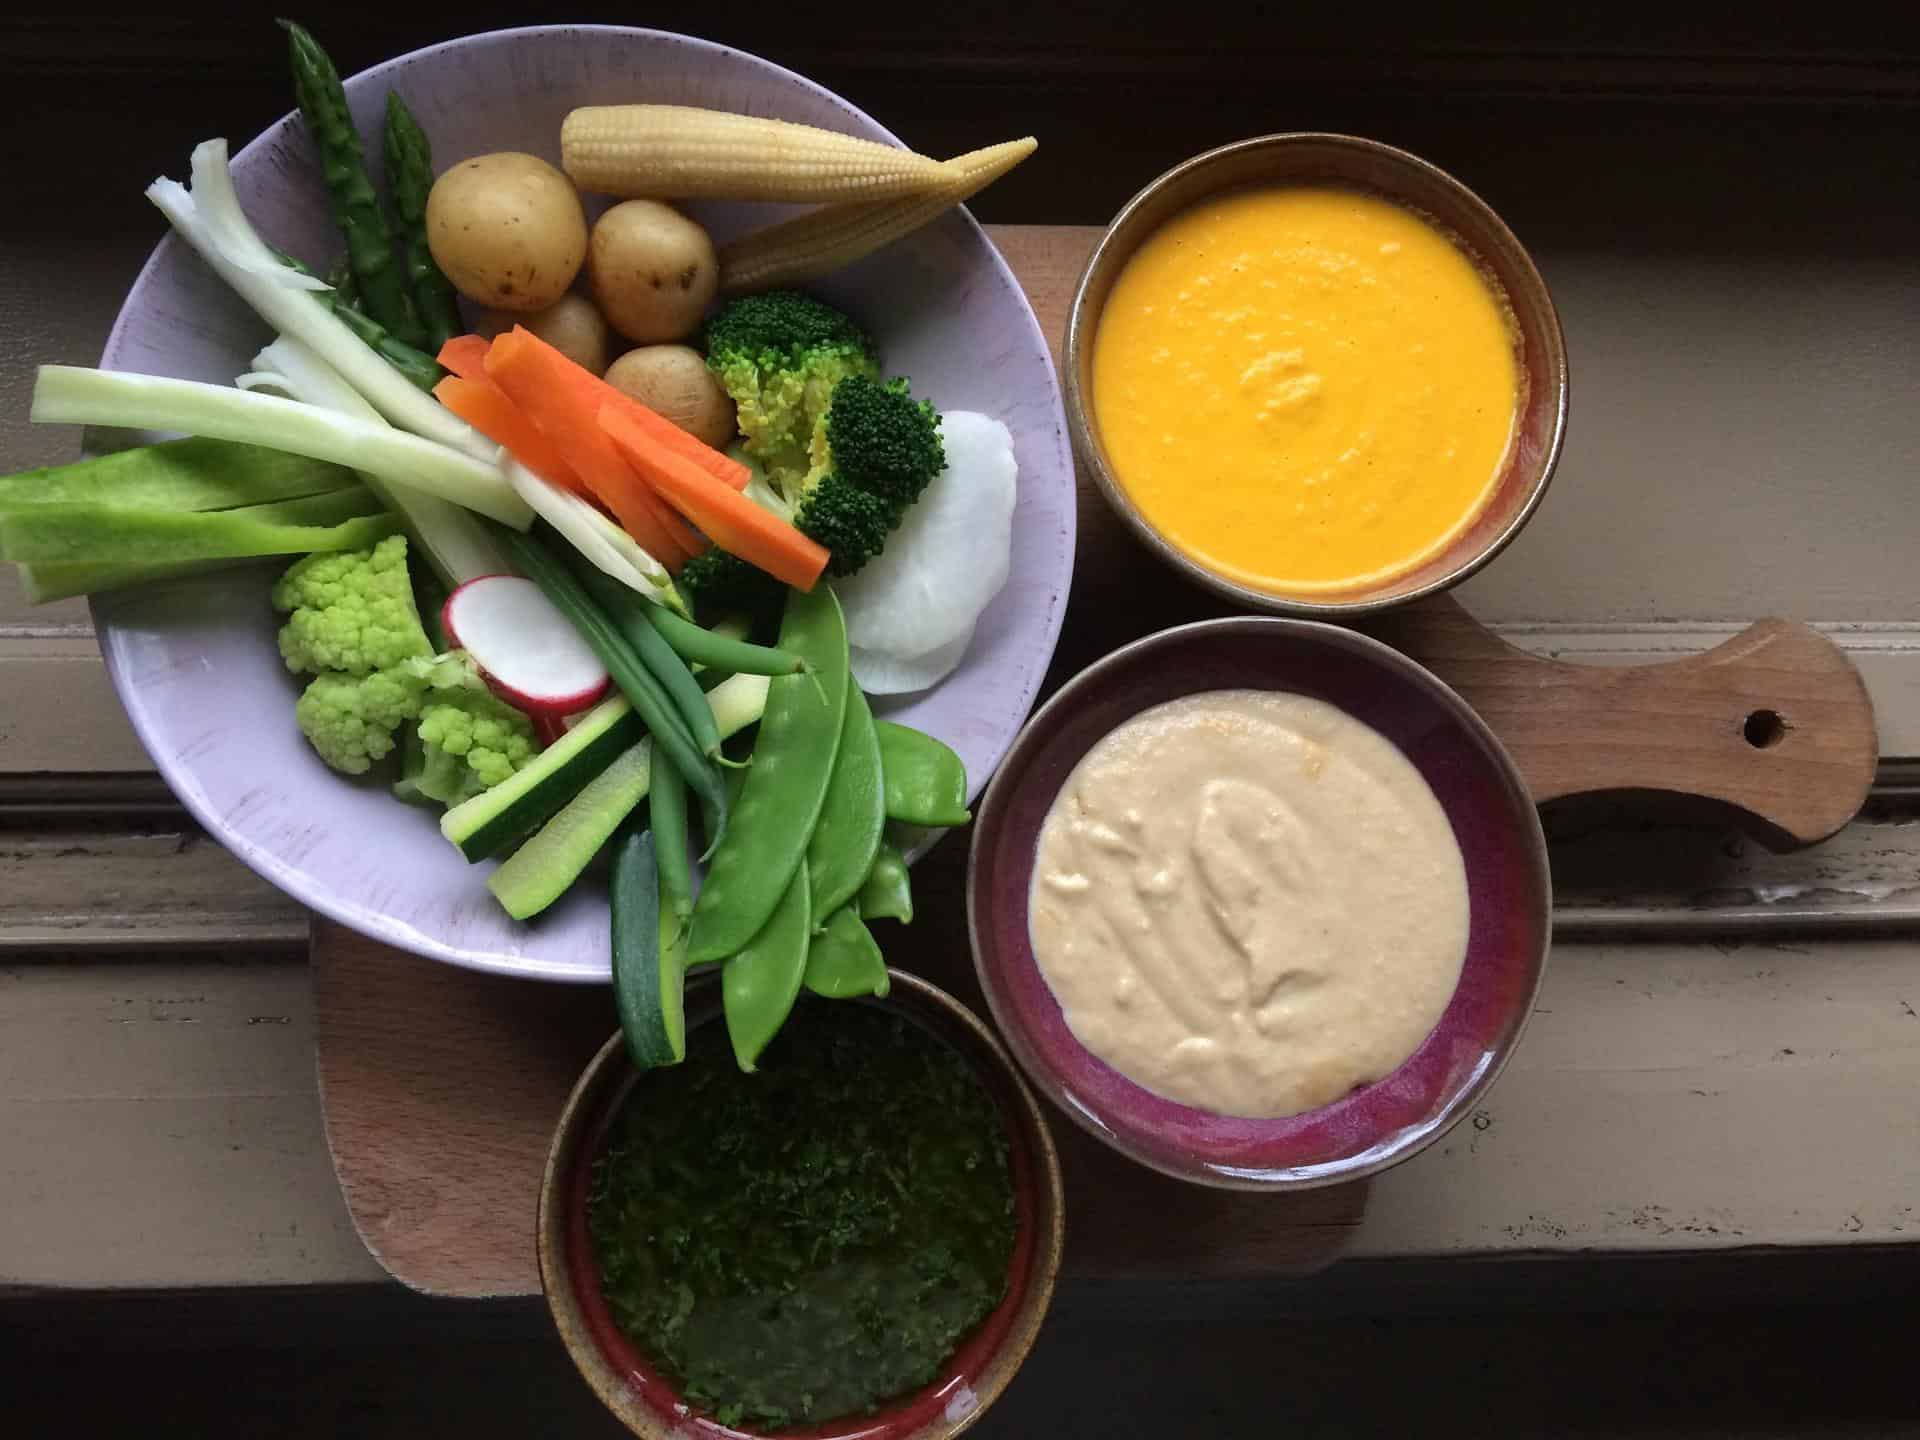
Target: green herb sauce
x=811, y=1240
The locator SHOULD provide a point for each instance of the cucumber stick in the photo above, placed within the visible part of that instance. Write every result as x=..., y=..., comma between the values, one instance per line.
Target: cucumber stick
x=539, y=872
x=492, y=820
x=649, y=978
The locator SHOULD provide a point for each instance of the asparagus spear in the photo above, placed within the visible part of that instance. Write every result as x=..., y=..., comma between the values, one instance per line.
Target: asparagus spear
x=346, y=290
x=409, y=178
x=419, y=367
x=356, y=206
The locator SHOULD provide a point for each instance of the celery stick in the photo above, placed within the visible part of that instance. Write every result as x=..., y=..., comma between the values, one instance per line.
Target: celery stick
x=191, y=474
x=68, y=394
x=44, y=583
x=102, y=534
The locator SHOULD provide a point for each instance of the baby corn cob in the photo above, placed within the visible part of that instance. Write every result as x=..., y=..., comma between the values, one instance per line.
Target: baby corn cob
x=823, y=240
x=675, y=152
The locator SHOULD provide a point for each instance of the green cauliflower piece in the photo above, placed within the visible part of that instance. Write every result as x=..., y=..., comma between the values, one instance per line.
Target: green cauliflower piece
x=355, y=627
x=352, y=612
x=350, y=719
x=468, y=740
x=780, y=355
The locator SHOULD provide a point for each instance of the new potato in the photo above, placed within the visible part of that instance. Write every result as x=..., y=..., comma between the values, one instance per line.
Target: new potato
x=571, y=325
x=508, y=230
x=674, y=381
x=652, y=270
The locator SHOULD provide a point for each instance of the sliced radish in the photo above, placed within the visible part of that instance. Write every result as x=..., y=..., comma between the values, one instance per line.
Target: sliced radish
x=532, y=657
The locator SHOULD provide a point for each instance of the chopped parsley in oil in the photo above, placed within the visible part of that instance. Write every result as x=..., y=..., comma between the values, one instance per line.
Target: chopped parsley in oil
x=809, y=1241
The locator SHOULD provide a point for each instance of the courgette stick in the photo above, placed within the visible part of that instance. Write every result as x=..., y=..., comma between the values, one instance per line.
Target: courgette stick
x=649, y=982
x=539, y=872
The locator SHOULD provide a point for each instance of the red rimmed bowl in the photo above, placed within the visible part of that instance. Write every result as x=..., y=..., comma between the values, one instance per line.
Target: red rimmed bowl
x=1493, y=820
x=645, y=1401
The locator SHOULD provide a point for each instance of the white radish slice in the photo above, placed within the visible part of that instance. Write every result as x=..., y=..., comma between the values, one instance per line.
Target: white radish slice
x=950, y=555
x=881, y=674
x=532, y=657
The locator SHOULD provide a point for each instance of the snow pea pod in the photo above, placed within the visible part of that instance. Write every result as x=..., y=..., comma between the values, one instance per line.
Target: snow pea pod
x=847, y=835
x=768, y=830
x=843, y=961
x=887, y=893
x=926, y=781
x=759, y=984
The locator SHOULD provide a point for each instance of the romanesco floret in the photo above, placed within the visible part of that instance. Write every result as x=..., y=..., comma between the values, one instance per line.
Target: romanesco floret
x=352, y=612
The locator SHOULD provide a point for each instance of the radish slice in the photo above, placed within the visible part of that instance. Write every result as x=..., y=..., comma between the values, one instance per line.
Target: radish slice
x=532, y=657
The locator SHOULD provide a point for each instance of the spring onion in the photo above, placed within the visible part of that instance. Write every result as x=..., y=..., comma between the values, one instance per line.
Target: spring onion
x=209, y=218
x=454, y=541
x=67, y=394
x=603, y=543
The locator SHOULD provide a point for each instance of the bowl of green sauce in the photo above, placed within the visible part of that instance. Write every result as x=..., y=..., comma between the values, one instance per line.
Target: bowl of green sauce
x=859, y=1239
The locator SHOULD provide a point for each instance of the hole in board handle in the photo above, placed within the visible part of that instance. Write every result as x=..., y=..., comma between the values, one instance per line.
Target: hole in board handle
x=1764, y=729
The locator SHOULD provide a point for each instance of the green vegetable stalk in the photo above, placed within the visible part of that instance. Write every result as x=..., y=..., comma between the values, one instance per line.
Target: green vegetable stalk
x=356, y=206
x=108, y=535
x=420, y=368
x=409, y=179
x=191, y=474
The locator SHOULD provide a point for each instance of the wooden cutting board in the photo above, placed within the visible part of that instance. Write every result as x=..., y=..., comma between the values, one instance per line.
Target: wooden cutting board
x=440, y=1087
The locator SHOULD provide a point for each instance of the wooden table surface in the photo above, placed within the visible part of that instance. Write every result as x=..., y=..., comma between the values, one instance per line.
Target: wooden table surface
x=1726, y=1048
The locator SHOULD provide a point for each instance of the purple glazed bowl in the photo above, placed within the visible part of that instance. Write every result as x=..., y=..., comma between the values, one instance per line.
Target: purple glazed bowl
x=1493, y=819
x=194, y=660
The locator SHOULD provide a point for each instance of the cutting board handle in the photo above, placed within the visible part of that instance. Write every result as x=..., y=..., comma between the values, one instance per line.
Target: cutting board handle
x=1775, y=722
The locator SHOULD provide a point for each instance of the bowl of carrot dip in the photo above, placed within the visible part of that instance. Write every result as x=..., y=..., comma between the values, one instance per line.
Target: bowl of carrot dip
x=1317, y=374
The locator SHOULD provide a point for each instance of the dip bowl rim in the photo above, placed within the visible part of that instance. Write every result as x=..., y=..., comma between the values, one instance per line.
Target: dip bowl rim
x=1011, y=1016
x=1136, y=221
x=605, y=1085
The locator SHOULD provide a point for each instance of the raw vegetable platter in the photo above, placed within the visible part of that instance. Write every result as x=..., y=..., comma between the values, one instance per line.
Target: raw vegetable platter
x=195, y=660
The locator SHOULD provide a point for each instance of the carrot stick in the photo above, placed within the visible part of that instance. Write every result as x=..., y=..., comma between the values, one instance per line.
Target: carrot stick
x=670, y=436
x=485, y=406
x=542, y=382
x=468, y=350
x=734, y=522
x=465, y=356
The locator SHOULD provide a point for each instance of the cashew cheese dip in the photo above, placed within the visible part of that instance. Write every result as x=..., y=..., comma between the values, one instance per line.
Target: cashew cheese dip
x=1249, y=902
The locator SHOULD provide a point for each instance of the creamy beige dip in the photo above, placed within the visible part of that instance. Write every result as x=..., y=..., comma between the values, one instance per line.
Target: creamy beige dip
x=1249, y=902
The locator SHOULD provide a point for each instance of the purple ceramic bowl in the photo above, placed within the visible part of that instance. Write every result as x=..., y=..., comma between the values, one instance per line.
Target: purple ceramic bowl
x=194, y=660
x=1493, y=819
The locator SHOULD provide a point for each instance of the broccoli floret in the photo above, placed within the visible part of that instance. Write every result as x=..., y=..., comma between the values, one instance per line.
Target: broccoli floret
x=717, y=582
x=352, y=612
x=880, y=439
x=876, y=450
x=852, y=523
x=780, y=355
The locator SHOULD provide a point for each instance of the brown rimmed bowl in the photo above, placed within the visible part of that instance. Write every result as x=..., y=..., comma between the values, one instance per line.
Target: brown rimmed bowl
x=1493, y=820
x=643, y=1400
x=1413, y=183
